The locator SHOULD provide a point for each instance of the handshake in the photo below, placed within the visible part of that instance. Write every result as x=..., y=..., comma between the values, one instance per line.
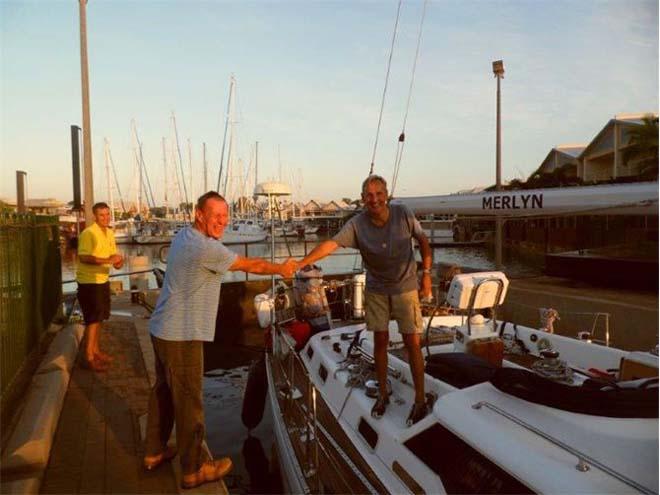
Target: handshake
x=289, y=267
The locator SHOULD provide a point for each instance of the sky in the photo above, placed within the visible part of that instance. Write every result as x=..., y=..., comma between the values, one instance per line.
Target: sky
x=309, y=82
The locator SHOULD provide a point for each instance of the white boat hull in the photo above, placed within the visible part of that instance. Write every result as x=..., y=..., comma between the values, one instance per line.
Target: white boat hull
x=627, y=447
x=242, y=238
x=292, y=475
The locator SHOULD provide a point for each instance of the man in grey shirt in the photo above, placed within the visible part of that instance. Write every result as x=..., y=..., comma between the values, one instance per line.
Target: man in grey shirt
x=183, y=319
x=383, y=233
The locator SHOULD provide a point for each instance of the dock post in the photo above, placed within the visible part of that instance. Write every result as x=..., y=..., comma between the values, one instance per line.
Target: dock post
x=20, y=191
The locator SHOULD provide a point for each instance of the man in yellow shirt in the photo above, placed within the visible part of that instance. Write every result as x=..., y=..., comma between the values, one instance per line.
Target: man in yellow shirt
x=97, y=251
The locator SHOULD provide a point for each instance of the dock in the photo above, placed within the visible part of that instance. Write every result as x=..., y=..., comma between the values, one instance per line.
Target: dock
x=97, y=446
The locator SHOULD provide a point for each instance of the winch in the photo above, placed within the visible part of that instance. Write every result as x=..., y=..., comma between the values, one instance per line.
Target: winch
x=550, y=366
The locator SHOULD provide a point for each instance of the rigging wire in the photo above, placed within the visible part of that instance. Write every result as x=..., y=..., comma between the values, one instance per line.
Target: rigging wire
x=224, y=137
x=114, y=173
x=183, y=176
x=387, y=78
x=402, y=136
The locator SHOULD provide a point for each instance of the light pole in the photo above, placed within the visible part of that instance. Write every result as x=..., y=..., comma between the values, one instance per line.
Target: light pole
x=87, y=132
x=498, y=70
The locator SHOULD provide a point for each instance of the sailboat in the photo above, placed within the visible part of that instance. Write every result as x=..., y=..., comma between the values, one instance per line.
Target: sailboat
x=512, y=409
x=241, y=230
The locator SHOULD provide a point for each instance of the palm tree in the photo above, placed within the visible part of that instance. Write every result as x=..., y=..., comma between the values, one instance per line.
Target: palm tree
x=643, y=147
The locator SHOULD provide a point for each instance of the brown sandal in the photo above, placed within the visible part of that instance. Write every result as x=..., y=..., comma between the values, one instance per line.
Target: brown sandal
x=379, y=407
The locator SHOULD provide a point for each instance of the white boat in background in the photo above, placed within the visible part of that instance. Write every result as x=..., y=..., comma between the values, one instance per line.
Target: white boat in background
x=124, y=231
x=611, y=199
x=286, y=231
x=244, y=232
x=161, y=232
x=512, y=409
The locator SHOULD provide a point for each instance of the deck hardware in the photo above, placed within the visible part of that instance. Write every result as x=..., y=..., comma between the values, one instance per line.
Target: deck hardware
x=582, y=466
x=584, y=460
x=473, y=297
x=544, y=344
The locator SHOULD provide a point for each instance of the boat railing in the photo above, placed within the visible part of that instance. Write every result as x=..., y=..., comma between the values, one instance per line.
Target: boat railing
x=245, y=250
x=307, y=410
x=584, y=461
x=589, y=323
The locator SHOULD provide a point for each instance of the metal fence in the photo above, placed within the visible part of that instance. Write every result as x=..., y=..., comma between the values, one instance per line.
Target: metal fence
x=30, y=286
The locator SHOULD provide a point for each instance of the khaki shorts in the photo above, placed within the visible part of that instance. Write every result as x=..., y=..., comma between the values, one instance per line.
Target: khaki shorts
x=404, y=308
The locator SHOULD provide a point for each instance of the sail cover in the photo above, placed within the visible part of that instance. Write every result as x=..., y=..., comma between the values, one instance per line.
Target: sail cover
x=611, y=199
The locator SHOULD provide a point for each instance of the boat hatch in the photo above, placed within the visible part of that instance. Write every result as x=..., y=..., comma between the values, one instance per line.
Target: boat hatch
x=529, y=441
x=461, y=468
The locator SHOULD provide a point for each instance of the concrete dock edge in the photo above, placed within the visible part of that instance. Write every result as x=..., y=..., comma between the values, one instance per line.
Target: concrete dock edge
x=26, y=454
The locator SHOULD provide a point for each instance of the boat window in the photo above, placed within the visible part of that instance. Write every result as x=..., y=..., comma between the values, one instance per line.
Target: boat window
x=368, y=433
x=461, y=468
x=310, y=352
x=323, y=373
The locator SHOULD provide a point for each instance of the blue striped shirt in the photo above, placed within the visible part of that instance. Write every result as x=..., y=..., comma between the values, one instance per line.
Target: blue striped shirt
x=188, y=303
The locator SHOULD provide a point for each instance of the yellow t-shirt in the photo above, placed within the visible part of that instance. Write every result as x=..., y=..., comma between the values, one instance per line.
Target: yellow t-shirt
x=94, y=242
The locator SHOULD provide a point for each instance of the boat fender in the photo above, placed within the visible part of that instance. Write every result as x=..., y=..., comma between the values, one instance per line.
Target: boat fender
x=301, y=331
x=254, y=398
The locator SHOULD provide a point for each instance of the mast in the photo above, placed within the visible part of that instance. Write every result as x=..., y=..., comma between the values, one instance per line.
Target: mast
x=206, y=187
x=183, y=176
x=165, y=176
x=230, y=120
x=151, y=202
x=114, y=174
x=176, y=181
x=256, y=164
x=107, y=178
x=190, y=171
x=224, y=138
x=139, y=170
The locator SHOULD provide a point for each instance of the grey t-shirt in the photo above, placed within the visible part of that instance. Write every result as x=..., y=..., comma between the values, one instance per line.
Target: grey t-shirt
x=188, y=302
x=387, y=251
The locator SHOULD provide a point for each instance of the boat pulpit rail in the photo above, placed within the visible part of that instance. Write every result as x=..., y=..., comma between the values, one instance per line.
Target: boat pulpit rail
x=475, y=291
x=493, y=309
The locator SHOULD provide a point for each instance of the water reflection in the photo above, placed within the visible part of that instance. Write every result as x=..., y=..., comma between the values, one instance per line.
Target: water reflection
x=262, y=479
x=227, y=436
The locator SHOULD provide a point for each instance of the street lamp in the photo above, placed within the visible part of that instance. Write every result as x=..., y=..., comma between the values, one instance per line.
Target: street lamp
x=498, y=70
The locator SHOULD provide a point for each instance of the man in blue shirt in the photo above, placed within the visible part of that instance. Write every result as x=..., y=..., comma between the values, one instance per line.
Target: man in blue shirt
x=183, y=319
